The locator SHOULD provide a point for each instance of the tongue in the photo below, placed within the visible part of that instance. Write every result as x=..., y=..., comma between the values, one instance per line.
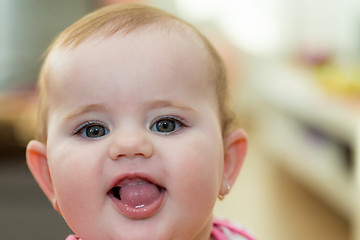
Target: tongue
x=136, y=193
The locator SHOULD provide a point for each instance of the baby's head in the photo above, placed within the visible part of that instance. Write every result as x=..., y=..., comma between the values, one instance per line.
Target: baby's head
x=135, y=134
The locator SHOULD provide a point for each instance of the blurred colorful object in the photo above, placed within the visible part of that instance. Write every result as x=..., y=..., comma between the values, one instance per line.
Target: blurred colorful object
x=338, y=79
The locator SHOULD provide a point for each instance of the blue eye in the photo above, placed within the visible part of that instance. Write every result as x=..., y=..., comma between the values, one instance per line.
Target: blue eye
x=167, y=125
x=92, y=130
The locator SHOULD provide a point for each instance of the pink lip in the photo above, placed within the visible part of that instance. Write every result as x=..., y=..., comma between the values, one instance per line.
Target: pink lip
x=138, y=212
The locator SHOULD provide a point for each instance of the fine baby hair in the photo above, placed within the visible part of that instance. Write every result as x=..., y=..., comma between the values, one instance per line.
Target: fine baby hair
x=136, y=135
x=127, y=18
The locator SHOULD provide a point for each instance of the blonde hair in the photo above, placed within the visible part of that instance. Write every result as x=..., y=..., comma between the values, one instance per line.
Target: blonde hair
x=127, y=18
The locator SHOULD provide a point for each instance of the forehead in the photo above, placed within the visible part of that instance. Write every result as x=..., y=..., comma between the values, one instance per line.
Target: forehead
x=140, y=52
x=180, y=42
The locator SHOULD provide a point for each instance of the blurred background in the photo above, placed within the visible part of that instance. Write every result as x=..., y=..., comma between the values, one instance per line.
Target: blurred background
x=294, y=73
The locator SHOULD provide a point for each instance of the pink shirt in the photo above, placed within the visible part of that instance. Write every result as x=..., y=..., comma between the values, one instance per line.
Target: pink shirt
x=72, y=237
x=226, y=230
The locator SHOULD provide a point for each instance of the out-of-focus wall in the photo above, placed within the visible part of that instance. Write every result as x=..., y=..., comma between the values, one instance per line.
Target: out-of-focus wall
x=26, y=29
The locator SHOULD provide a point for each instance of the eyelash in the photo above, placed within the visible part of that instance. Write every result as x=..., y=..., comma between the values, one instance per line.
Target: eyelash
x=179, y=124
x=179, y=121
x=87, y=124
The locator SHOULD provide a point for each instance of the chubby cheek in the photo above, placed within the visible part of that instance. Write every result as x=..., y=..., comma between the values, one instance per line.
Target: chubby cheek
x=198, y=176
x=75, y=180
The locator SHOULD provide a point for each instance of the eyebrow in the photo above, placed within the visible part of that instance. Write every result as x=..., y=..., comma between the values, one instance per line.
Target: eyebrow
x=168, y=104
x=150, y=105
x=85, y=109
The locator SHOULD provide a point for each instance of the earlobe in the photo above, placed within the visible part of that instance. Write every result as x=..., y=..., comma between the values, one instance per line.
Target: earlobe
x=235, y=151
x=37, y=162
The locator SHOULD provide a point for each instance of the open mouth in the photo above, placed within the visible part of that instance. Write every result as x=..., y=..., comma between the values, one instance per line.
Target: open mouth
x=137, y=197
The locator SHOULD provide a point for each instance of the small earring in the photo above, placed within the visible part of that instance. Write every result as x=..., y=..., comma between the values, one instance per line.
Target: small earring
x=228, y=188
x=222, y=196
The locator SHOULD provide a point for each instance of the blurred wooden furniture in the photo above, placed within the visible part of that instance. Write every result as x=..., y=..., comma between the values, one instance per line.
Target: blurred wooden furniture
x=311, y=134
x=17, y=116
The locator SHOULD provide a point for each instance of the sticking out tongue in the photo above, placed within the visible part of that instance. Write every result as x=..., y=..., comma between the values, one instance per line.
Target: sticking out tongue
x=138, y=193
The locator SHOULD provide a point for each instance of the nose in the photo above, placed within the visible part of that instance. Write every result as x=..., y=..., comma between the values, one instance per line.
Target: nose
x=130, y=146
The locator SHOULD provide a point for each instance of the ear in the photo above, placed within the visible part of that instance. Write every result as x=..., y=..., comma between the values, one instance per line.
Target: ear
x=235, y=146
x=36, y=160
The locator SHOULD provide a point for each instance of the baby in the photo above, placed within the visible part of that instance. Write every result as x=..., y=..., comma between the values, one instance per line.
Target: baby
x=136, y=136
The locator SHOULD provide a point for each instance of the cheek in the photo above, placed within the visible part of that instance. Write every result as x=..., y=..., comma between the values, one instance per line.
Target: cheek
x=199, y=173
x=68, y=168
x=75, y=177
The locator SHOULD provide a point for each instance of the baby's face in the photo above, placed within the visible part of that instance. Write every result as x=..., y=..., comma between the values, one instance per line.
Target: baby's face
x=135, y=148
